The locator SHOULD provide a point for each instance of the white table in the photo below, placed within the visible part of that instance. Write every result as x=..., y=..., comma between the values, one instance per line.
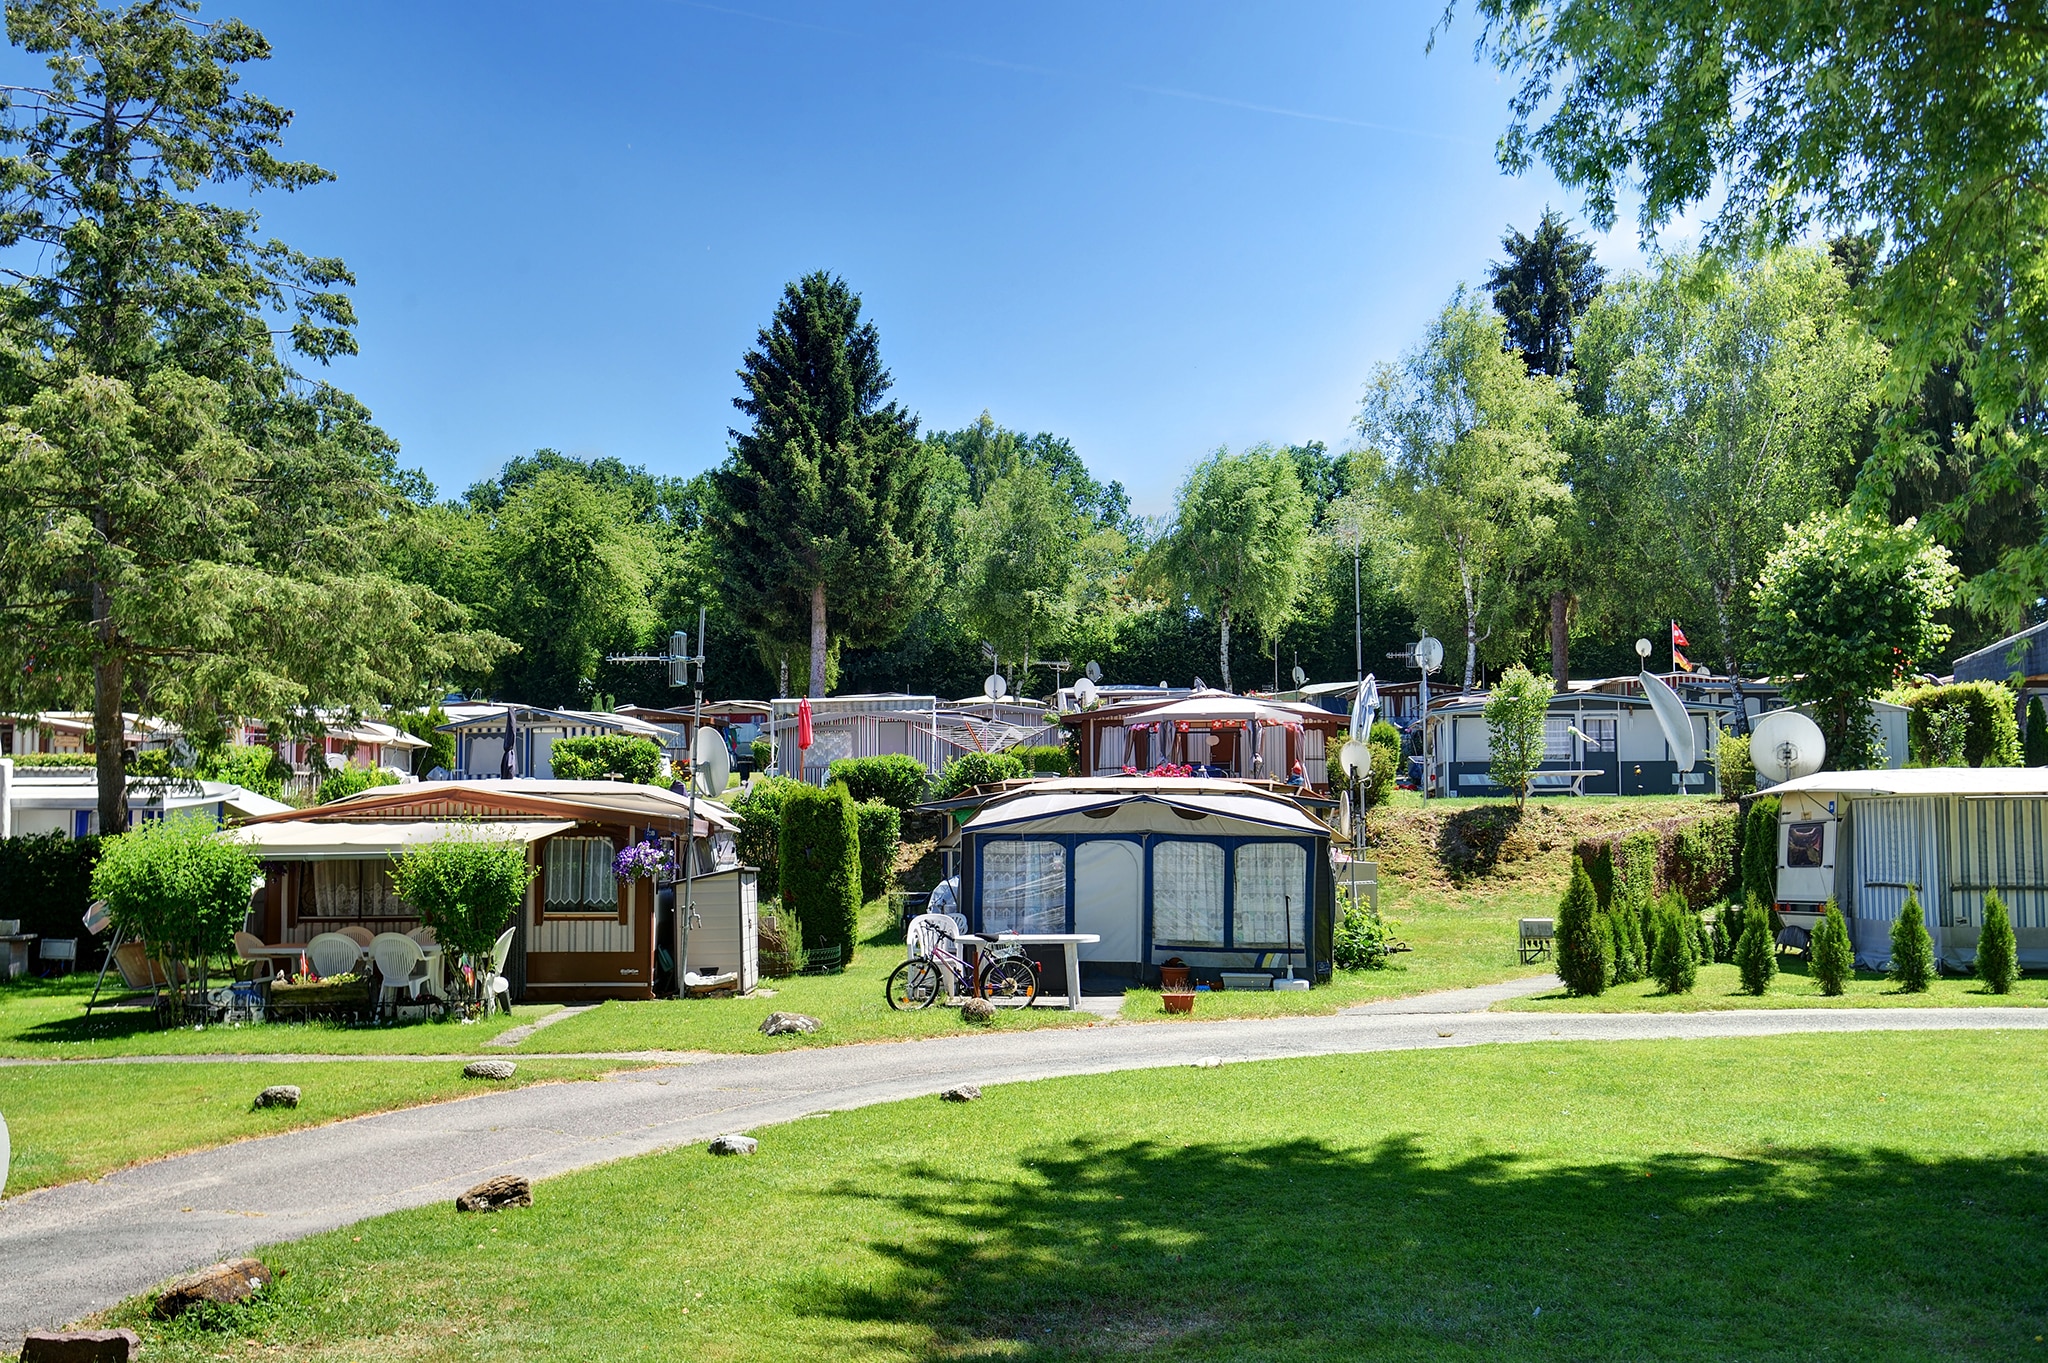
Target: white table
x=14, y=949
x=437, y=964
x=1069, y=941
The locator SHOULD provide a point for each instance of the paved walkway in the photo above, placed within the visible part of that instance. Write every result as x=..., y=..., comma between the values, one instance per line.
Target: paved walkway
x=71, y=1250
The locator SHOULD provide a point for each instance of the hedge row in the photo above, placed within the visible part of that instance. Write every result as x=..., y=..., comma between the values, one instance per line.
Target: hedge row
x=896, y=780
x=819, y=860
x=48, y=884
x=1992, y=735
x=1697, y=857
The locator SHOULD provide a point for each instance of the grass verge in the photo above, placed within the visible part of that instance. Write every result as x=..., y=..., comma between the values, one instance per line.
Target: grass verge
x=1720, y=987
x=1653, y=1200
x=68, y=1122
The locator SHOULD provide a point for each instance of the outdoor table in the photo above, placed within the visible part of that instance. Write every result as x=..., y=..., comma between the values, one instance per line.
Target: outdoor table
x=14, y=949
x=1070, y=942
x=437, y=965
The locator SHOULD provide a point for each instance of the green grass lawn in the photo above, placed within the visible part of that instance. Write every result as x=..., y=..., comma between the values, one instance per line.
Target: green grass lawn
x=1878, y=1197
x=1720, y=986
x=68, y=1122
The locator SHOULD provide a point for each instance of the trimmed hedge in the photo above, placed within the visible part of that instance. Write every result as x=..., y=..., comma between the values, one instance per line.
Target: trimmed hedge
x=1695, y=856
x=56, y=759
x=1585, y=951
x=607, y=757
x=1760, y=852
x=881, y=834
x=1045, y=760
x=759, y=840
x=1700, y=859
x=973, y=769
x=48, y=884
x=896, y=780
x=343, y=782
x=819, y=859
x=1993, y=736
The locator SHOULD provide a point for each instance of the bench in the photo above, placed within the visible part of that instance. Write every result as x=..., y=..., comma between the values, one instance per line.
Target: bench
x=1536, y=940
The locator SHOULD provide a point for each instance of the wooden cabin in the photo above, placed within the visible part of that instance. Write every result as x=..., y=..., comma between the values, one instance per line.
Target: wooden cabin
x=581, y=934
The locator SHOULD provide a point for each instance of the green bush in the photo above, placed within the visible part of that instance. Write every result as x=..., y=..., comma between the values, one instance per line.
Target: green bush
x=1704, y=940
x=56, y=759
x=1991, y=731
x=1734, y=772
x=425, y=725
x=46, y=882
x=176, y=884
x=342, y=782
x=1760, y=851
x=607, y=757
x=1912, y=967
x=1385, y=743
x=759, y=840
x=2036, y=746
x=1051, y=759
x=1756, y=955
x=1834, y=958
x=1998, y=955
x=762, y=748
x=1723, y=948
x=250, y=766
x=1675, y=961
x=466, y=888
x=819, y=860
x=1585, y=951
x=1514, y=712
x=973, y=769
x=881, y=834
x=896, y=780
x=1635, y=868
x=1702, y=861
x=1361, y=939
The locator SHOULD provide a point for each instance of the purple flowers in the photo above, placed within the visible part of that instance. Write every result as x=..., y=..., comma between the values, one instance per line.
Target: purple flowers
x=644, y=861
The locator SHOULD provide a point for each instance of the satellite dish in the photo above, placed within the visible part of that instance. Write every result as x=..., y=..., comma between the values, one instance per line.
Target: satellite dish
x=710, y=762
x=1642, y=648
x=1429, y=653
x=1672, y=719
x=1786, y=745
x=1300, y=677
x=1093, y=672
x=994, y=687
x=1085, y=694
x=1355, y=757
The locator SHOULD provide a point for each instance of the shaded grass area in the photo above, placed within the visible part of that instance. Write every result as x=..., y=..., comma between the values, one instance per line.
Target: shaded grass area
x=47, y=1019
x=1720, y=987
x=1656, y=1200
x=70, y=1122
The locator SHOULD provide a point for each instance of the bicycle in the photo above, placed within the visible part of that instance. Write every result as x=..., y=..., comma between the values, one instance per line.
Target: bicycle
x=1007, y=974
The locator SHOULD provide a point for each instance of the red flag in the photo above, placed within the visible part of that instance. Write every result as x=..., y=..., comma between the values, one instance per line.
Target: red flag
x=1678, y=639
x=1681, y=660
x=803, y=723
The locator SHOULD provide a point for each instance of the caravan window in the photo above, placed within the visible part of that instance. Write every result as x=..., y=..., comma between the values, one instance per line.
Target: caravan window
x=1557, y=738
x=579, y=876
x=1805, y=844
x=1024, y=887
x=1271, y=885
x=1187, y=893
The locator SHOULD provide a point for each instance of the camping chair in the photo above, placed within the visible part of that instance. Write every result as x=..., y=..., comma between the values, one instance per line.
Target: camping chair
x=424, y=936
x=358, y=934
x=57, y=955
x=497, y=985
x=332, y=953
x=249, y=949
x=401, y=966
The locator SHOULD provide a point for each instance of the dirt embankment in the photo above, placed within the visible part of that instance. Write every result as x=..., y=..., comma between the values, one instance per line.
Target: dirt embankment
x=1468, y=846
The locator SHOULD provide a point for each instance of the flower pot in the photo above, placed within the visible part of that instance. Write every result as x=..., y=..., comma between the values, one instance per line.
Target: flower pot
x=1178, y=1003
x=1173, y=977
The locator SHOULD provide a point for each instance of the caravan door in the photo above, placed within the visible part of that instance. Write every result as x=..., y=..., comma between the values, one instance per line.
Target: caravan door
x=1109, y=899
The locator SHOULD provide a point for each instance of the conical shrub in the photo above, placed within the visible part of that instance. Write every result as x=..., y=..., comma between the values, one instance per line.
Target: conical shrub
x=1998, y=953
x=1834, y=959
x=1756, y=955
x=1585, y=947
x=1676, y=963
x=1912, y=949
x=1724, y=946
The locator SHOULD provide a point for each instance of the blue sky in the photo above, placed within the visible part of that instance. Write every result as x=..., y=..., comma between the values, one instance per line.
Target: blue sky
x=1151, y=228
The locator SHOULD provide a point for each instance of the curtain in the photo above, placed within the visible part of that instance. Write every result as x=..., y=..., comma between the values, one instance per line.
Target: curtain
x=1271, y=886
x=579, y=874
x=1272, y=752
x=1110, y=755
x=1557, y=739
x=1314, y=764
x=1187, y=893
x=1024, y=887
x=356, y=890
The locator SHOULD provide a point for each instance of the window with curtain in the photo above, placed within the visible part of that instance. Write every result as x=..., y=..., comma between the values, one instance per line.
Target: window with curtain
x=1271, y=886
x=579, y=876
x=1024, y=887
x=1187, y=893
x=353, y=889
x=1557, y=738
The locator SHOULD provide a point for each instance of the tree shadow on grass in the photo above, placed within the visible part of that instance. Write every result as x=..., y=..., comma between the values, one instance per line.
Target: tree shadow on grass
x=1297, y=1250
x=1469, y=842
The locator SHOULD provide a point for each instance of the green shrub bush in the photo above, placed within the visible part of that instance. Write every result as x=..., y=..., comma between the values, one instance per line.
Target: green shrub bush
x=466, y=888
x=1998, y=954
x=1912, y=967
x=881, y=834
x=896, y=780
x=2035, y=749
x=1991, y=736
x=425, y=725
x=1734, y=770
x=250, y=766
x=1722, y=949
x=1675, y=962
x=1834, y=959
x=1361, y=939
x=973, y=769
x=762, y=749
x=1760, y=851
x=177, y=885
x=56, y=759
x=819, y=862
x=1702, y=858
x=1635, y=868
x=759, y=840
x=343, y=782
x=1385, y=743
x=1050, y=759
x=1756, y=955
x=1585, y=949
x=46, y=882
x=607, y=757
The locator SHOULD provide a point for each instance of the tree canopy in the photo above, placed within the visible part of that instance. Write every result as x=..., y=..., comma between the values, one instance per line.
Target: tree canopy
x=1541, y=290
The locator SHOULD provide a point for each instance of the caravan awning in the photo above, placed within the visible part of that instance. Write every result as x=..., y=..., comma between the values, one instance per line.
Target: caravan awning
x=360, y=839
x=1247, y=808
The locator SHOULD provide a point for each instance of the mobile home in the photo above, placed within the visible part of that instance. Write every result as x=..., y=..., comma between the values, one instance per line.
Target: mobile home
x=1594, y=743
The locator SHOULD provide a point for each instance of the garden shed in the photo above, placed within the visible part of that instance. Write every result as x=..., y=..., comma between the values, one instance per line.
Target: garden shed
x=1225, y=875
x=1948, y=834
x=581, y=933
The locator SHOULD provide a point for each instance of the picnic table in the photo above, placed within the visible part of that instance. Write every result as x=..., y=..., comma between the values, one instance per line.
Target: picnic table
x=1574, y=778
x=1069, y=942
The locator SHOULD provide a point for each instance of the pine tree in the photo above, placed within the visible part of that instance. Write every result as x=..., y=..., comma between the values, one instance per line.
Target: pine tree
x=1834, y=959
x=1756, y=955
x=1677, y=960
x=1723, y=949
x=1584, y=945
x=1760, y=851
x=1998, y=959
x=1912, y=949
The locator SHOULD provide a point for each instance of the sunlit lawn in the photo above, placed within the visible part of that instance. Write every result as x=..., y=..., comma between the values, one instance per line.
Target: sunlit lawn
x=1868, y=1196
x=79, y=1121
x=1720, y=986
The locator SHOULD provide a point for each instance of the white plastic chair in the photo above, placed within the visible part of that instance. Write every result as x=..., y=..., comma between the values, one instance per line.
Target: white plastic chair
x=401, y=965
x=498, y=984
x=333, y=954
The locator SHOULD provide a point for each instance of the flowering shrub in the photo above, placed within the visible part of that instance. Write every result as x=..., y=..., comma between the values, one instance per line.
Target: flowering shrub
x=644, y=861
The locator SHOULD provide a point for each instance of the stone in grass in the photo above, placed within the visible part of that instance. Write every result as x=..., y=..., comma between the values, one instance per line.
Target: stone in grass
x=734, y=1145
x=279, y=1095
x=222, y=1284
x=80, y=1346
x=966, y=1093
x=495, y=1194
x=1209, y=1062
x=780, y=1024
x=977, y=1010
x=488, y=1069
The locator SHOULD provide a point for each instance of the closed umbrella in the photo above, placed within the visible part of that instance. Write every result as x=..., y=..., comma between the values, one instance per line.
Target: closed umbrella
x=803, y=724
x=508, y=765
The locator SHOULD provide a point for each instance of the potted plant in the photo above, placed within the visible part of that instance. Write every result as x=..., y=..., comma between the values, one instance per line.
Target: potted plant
x=1176, y=989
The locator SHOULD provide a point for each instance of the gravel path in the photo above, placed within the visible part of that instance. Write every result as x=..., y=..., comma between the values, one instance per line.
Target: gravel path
x=71, y=1250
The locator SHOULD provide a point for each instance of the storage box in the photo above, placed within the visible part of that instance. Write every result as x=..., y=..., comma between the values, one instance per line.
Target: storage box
x=1247, y=979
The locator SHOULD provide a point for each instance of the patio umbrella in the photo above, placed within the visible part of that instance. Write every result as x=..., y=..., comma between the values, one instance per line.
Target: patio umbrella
x=803, y=724
x=508, y=765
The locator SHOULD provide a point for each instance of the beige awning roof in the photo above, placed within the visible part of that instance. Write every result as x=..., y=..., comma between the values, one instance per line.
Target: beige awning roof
x=357, y=839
